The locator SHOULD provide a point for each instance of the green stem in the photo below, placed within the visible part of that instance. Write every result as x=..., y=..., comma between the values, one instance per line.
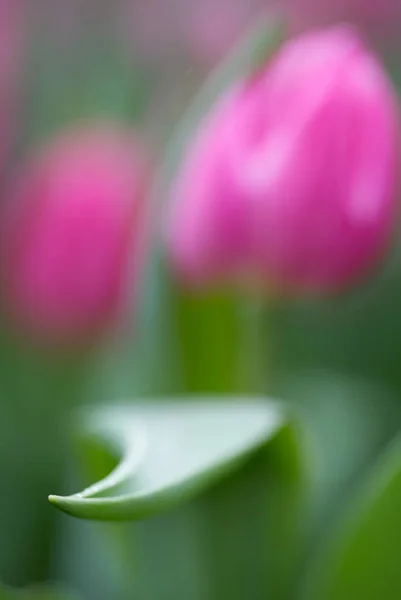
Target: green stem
x=209, y=332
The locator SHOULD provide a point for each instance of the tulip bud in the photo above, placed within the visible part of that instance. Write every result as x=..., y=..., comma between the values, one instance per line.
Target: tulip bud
x=292, y=177
x=70, y=234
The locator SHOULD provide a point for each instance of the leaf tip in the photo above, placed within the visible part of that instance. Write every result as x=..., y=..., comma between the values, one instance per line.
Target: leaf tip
x=59, y=501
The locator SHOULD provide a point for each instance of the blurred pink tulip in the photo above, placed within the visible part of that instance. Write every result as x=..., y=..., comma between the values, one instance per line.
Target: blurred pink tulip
x=379, y=19
x=292, y=177
x=71, y=232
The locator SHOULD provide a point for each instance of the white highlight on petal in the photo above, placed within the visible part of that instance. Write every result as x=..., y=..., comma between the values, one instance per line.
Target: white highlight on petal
x=267, y=163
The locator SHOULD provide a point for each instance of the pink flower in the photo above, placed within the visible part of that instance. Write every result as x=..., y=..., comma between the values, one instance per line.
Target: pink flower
x=71, y=231
x=292, y=177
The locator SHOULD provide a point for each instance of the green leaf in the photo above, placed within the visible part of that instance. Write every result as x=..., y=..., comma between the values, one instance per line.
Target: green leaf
x=170, y=451
x=349, y=422
x=222, y=483
x=361, y=559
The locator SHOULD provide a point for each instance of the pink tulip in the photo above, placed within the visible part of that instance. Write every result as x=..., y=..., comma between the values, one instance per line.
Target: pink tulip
x=71, y=232
x=292, y=177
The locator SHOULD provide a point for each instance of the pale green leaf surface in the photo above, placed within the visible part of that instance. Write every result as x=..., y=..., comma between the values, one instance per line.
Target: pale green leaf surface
x=169, y=452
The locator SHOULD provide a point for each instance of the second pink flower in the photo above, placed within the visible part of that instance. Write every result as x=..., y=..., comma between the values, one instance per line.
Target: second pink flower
x=292, y=177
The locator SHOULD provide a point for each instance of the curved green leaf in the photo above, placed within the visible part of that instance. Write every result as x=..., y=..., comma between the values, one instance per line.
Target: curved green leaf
x=223, y=481
x=169, y=452
x=362, y=558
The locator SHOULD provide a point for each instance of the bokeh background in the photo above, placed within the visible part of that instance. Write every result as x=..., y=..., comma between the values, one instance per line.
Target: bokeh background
x=139, y=64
